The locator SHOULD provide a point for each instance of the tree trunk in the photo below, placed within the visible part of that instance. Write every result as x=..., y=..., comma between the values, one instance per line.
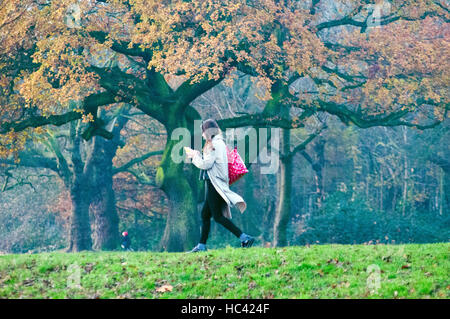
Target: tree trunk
x=181, y=233
x=318, y=167
x=180, y=182
x=405, y=175
x=283, y=212
x=444, y=164
x=446, y=190
x=106, y=226
x=80, y=227
x=103, y=204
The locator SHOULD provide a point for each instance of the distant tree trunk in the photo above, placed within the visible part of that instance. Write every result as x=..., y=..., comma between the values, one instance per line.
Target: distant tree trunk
x=80, y=227
x=103, y=204
x=284, y=207
x=381, y=199
x=444, y=164
x=405, y=175
x=391, y=198
x=283, y=212
x=446, y=189
x=392, y=191
x=317, y=167
x=267, y=220
x=319, y=148
x=100, y=174
x=106, y=225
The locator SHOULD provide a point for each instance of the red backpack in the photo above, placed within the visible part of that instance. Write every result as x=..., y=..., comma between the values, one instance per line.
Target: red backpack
x=236, y=166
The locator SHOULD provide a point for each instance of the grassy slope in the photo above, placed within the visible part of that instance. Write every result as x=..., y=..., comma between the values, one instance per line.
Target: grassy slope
x=322, y=271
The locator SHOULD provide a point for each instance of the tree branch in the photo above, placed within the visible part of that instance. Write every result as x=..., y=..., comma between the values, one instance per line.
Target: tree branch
x=308, y=140
x=142, y=158
x=90, y=104
x=393, y=119
x=121, y=46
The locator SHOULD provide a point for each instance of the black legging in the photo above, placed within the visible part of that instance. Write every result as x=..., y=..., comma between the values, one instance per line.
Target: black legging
x=213, y=207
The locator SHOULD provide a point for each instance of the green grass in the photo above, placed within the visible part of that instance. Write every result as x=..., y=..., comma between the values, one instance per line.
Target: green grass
x=318, y=271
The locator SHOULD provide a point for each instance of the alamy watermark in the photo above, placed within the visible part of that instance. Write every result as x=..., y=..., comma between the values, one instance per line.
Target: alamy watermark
x=373, y=282
x=74, y=276
x=379, y=10
x=269, y=160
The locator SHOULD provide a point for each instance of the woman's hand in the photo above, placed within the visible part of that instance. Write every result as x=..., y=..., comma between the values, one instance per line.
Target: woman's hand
x=189, y=152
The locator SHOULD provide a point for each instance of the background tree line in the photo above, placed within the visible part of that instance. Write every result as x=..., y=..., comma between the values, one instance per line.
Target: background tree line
x=102, y=70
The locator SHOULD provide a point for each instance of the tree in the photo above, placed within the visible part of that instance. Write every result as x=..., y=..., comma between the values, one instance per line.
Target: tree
x=86, y=171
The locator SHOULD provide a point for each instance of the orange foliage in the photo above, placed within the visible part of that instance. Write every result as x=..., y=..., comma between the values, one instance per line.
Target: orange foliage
x=47, y=49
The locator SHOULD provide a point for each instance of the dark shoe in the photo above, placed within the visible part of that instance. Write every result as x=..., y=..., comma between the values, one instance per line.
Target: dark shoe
x=248, y=241
x=198, y=248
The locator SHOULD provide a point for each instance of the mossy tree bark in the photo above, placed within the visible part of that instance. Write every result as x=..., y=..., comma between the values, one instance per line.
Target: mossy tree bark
x=180, y=183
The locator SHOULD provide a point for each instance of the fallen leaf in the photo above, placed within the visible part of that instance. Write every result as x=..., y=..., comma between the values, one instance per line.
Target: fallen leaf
x=407, y=266
x=164, y=288
x=88, y=268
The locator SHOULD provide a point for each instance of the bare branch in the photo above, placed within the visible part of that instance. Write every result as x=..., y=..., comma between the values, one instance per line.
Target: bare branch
x=134, y=161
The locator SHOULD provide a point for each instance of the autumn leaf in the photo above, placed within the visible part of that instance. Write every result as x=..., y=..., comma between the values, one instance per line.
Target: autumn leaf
x=88, y=267
x=407, y=266
x=164, y=288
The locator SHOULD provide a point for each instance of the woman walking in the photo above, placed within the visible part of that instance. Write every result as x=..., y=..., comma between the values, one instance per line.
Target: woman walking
x=214, y=169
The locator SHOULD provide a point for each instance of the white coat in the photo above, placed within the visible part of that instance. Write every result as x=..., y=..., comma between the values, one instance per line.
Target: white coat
x=215, y=162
